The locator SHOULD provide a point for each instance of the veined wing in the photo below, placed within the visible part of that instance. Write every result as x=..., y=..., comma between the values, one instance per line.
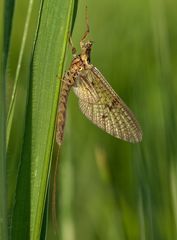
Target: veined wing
x=99, y=103
x=84, y=87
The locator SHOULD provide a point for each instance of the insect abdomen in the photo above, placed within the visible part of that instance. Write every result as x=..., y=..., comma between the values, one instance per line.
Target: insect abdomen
x=65, y=88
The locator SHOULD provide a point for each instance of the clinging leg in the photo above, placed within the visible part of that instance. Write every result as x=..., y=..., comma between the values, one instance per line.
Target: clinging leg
x=72, y=47
x=87, y=28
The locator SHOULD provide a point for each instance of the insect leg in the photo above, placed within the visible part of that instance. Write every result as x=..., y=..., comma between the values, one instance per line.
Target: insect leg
x=72, y=47
x=87, y=27
x=67, y=81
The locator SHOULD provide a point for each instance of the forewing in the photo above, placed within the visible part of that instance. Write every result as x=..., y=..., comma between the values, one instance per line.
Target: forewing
x=84, y=87
x=106, y=109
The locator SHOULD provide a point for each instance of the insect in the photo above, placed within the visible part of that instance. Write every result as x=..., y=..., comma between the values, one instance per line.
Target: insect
x=97, y=100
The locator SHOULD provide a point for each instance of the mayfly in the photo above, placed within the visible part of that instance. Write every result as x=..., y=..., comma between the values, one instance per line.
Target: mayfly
x=97, y=100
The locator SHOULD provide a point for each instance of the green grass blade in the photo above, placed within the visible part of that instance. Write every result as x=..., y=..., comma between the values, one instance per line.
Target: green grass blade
x=24, y=25
x=53, y=32
x=9, y=9
x=3, y=180
x=38, y=117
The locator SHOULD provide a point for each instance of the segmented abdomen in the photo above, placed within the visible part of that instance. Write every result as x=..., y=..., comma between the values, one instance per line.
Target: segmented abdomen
x=65, y=88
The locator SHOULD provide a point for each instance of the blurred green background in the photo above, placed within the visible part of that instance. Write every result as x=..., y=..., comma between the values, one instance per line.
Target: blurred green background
x=110, y=189
x=107, y=188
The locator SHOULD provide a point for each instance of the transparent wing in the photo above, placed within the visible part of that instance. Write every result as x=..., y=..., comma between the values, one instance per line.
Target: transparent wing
x=104, y=107
x=84, y=87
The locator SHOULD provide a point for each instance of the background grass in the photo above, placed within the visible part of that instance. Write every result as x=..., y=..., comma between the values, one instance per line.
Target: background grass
x=107, y=188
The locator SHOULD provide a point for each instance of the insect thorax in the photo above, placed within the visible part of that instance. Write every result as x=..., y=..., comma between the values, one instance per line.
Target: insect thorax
x=80, y=62
x=77, y=66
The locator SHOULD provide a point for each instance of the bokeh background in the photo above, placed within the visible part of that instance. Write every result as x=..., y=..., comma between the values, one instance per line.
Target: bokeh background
x=110, y=189
x=107, y=189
